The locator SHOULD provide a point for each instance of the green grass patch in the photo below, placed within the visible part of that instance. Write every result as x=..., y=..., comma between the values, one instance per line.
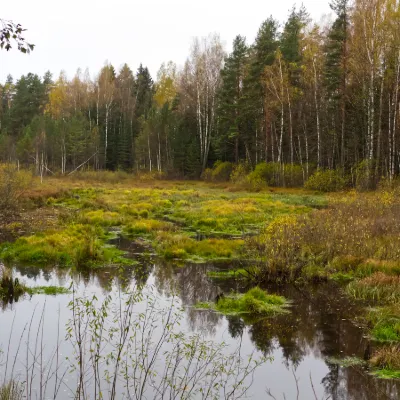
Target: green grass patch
x=181, y=246
x=48, y=290
x=76, y=245
x=255, y=302
x=346, y=361
x=385, y=323
x=233, y=273
x=387, y=373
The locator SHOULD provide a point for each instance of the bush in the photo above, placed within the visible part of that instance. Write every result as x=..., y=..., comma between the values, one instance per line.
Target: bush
x=207, y=175
x=275, y=174
x=327, y=181
x=240, y=172
x=293, y=175
x=267, y=173
x=13, y=184
x=222, y=171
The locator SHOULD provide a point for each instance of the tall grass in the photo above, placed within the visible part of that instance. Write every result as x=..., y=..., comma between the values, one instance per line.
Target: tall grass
x=356, y=231
x=379, y=287
x=11, y=391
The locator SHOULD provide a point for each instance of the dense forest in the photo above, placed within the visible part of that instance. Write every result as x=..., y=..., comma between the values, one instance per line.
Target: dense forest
x=301, y=96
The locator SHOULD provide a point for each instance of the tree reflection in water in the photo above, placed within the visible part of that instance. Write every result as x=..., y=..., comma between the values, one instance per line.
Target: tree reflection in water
x=319, y=325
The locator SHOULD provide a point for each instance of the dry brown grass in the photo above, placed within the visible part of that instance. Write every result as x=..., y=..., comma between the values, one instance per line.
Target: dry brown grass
x=387, y=357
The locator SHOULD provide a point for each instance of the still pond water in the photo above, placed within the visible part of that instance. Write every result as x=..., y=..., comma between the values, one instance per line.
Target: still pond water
x=301, y=344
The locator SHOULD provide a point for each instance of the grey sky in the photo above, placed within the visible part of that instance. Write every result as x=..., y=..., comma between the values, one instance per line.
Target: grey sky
x=86, y=33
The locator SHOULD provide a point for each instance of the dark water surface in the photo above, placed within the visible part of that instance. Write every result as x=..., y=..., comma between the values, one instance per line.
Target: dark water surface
x=301, y=343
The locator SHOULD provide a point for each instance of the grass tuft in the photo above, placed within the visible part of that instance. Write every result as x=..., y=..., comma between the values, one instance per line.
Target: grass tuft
x=255, y=302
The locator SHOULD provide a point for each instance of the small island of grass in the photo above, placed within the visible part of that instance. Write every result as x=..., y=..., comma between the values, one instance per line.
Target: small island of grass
x=255, y=302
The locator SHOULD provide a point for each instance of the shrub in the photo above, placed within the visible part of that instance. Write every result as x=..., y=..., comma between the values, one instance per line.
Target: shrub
x=13, y=183
x=221, y=171
x=266, y=173
x=276, y=174
x=207, y=175
x=240, y=172
x=293, y=175
x=327, y=181
x=357, y=235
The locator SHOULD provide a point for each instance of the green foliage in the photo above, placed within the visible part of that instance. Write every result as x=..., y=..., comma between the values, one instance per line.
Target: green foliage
x=9, y=32
x=276, y=175
x=327, y=181
x=240, y=172
x=387, y=374
x=221, y=172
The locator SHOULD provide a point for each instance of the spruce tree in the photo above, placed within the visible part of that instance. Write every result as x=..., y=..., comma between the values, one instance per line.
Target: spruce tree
x=231, y=98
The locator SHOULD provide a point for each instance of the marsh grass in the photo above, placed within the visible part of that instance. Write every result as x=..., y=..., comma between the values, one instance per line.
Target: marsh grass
x=169, y=215
x=229, y=274
x=357, y=235
x=11, y=391
x=256, y=302
x=48, y=290
x=385, y=323
x=181, y=246
x=378, y=287
x=76, y=245
x=387, y=374
x=387, y=358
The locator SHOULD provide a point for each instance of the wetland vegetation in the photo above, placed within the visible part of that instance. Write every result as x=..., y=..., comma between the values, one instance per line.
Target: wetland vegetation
x=250, y=198
x=282, y=236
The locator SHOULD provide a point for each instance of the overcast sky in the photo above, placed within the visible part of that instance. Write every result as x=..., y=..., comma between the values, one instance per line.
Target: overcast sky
x=85, y=33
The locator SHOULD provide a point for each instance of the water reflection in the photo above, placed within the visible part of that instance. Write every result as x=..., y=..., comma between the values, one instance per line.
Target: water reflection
x=318, y=328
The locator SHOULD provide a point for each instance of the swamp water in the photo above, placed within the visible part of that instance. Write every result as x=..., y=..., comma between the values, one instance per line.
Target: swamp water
x=303, y=346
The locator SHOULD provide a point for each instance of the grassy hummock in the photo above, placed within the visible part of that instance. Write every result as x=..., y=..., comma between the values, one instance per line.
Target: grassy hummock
x=75, y=245
x=229, y=274
x=48, y=290
x=256, y=302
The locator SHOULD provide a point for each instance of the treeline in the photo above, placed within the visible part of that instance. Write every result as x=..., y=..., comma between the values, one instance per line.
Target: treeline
x=314, y=97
